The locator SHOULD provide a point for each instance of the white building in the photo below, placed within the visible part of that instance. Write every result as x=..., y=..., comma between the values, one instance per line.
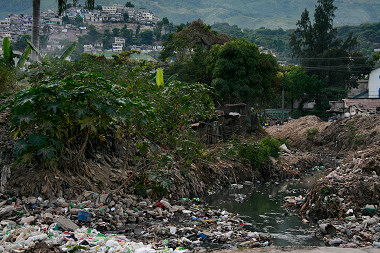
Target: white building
x=374, y=84
x=109, y=9
x=89, y=49
x=119, y=40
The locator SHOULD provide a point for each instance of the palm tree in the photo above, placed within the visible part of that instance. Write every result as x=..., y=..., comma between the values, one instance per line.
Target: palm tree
x=36, y=17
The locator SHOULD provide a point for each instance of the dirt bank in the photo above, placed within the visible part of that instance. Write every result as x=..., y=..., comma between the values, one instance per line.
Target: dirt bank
x=312, y=134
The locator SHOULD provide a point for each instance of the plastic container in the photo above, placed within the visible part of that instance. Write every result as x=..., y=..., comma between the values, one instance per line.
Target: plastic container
x=84, y=216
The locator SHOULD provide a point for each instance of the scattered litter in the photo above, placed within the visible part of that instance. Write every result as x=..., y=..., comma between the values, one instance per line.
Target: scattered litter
x=108, y=223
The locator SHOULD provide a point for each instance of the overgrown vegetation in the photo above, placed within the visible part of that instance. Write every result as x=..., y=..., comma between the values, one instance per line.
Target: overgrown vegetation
x=48, y=117
x=61, y=114
x=252, y=152
x=354, y=139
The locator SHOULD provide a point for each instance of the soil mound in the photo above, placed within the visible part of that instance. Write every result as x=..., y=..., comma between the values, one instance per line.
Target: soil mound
x=296, y=131
x=350, y=134
x=313, y=134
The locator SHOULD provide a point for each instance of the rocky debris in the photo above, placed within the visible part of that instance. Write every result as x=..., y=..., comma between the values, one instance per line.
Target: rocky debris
x=65, y=224
x=42, y=247
x=295, y=163
x=97, y=222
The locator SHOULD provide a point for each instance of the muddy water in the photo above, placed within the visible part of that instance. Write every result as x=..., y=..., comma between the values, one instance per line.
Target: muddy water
x=262, y=212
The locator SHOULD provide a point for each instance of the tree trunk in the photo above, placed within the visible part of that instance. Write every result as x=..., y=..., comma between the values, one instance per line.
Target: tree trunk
x=36, y=26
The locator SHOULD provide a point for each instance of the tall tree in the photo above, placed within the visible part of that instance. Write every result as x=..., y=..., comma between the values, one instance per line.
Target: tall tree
x=320, y=52
x=62, y=5
x=126, y=34
x=146, y=37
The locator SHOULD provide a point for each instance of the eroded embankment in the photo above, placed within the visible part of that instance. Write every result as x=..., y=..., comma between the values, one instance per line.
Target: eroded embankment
x=116, y=165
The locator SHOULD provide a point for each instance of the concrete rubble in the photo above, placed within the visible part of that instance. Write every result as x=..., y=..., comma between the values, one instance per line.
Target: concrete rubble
x=109, y=223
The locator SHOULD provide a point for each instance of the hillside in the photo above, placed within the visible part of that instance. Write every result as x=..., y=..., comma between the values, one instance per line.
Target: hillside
x=244, y=13
x=278, y=39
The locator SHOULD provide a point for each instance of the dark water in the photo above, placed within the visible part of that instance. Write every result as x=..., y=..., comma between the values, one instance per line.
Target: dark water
x=263, y=213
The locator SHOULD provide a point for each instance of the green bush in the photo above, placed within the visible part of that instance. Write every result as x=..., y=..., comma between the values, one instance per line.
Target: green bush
x=273, y=144
x=72, y=103
x=256, y=153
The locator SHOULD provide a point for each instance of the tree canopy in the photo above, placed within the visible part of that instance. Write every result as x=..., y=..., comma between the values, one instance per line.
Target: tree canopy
x=189, y=48
x=130, y=5
x=241, y=73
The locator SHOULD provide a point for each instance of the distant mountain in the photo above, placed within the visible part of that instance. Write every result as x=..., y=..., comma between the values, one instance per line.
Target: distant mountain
x=244, y=13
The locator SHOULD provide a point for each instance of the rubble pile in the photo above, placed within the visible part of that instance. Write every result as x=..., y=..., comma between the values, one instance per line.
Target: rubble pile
x=353, y=133
x=351, y=230
x=109, y=223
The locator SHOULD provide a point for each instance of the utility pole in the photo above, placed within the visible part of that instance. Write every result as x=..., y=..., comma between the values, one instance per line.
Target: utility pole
x=282, y=105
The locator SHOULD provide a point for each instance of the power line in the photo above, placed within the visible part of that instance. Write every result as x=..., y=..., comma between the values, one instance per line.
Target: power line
x=334, y=58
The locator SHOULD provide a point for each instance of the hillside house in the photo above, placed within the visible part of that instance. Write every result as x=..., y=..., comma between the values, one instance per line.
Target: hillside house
x=109, y=9
x=117, y=46
x=88, y=49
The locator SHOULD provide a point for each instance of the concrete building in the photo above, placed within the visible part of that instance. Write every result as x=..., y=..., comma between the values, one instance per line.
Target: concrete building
x=109, y=9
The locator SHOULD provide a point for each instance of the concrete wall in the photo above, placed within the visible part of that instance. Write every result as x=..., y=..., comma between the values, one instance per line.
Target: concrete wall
x=374, y=84
x=362, y=87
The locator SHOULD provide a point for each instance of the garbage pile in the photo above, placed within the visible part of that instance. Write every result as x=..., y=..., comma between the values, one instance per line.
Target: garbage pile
x=109, y=223
x=347, y=187
x=354, y=230
x=347, y=202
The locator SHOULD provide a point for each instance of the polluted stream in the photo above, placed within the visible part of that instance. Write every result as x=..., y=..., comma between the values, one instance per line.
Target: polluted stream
x=260, y=206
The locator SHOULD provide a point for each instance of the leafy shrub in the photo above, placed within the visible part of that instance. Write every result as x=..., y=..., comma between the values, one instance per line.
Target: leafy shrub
x=62, y=111
x=48, y=117
x=178, y=105
x=273, y=144
x=257, y=153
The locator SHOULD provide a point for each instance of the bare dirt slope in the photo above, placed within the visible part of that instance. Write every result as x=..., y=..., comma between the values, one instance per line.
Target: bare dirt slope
x=312, y=134
x=295, y=131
